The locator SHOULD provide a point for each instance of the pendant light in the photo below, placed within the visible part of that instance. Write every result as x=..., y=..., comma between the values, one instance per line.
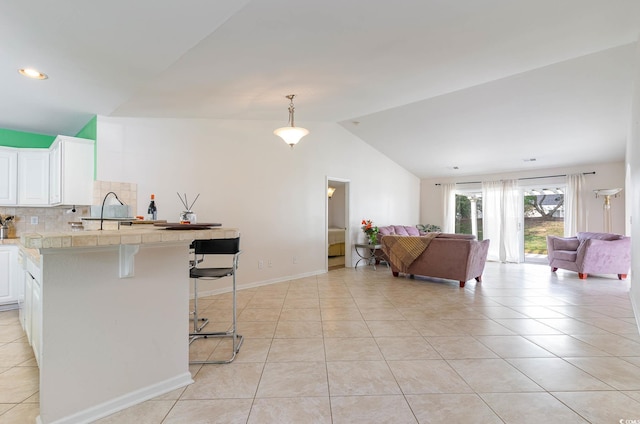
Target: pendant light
x=291, y=134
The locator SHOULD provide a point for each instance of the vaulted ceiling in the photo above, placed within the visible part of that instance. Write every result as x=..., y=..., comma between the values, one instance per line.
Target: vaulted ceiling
x=481, y=85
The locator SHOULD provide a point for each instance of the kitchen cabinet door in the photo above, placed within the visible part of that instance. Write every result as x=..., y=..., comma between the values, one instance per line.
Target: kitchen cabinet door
x=33, y=177
x=19, y=284
x=8, y=176
x=71, y=168
x=55, y=171
x=28, y=304
x=8, y=275
x=36, y=319
x=33, y=307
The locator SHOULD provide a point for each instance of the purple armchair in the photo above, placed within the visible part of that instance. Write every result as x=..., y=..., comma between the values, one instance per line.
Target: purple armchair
x=591, y=253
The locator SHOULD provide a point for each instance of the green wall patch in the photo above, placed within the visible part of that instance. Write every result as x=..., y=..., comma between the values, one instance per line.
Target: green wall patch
x=11, y=138
x=90, y=130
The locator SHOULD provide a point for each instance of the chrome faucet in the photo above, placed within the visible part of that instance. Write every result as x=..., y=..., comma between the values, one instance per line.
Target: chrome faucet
x=102, y=209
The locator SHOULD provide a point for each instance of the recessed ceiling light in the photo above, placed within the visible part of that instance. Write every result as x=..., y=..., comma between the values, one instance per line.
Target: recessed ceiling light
x=529, y=160
x=32, y=73
x=455, y=167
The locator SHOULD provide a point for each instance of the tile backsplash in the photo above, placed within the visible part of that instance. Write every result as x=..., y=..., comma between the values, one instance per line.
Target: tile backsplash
x=51, y=219
x=126, y=192
x=57, y=218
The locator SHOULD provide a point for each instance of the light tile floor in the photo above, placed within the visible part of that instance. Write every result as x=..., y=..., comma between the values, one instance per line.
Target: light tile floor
x=360, y=346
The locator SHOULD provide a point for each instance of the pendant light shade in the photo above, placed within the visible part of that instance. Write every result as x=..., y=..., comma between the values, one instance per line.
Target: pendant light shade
x=291, y=134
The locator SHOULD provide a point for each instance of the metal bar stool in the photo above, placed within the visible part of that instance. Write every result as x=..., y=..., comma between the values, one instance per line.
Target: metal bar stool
x=196, y=320
x=227, y=247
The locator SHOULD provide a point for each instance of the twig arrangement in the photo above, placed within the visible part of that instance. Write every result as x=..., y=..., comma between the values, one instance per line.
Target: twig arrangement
x=6, y=220
x=185, y=202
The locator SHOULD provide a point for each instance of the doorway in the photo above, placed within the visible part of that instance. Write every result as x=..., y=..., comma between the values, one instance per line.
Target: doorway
x=543, y=216
x=337, y=228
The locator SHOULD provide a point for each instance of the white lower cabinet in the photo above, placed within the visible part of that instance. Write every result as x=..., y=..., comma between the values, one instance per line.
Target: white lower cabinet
x=36, y=320
x=32, y=309
x=19, y=283
x=8, y=276
x=28, y=304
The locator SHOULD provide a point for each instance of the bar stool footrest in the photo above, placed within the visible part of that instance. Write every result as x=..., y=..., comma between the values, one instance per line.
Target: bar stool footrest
x=236, y=348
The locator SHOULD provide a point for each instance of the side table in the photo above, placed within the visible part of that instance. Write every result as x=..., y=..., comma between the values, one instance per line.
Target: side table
x=369, y=253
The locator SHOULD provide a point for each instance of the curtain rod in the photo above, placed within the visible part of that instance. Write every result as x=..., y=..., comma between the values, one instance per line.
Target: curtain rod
x=525, y=178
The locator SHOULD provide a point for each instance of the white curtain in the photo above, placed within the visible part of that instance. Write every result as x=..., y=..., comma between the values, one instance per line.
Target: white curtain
x=449, y=209
x=501, y=212
x=512, y=209
x=574, y=219
x=491, y=217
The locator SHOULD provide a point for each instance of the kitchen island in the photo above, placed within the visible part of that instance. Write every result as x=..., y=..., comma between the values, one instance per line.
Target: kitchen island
x=112, y=310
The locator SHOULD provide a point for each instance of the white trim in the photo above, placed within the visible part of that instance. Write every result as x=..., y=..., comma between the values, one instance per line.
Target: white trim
x=347, y=220
x=635, y=304
x=222, y=290
x=125, y=401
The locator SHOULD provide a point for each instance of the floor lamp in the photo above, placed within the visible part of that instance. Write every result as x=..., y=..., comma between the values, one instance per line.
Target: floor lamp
x=606, y=208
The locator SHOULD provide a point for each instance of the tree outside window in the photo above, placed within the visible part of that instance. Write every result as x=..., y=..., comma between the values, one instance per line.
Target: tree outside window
x=464, y=203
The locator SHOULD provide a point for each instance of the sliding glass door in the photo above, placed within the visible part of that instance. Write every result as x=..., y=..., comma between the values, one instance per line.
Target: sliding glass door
x=544, y=212
x=516, y=216
x=469, y=214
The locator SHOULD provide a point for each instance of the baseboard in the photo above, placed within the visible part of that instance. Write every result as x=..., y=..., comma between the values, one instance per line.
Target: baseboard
x=634, y=296
x=122, y=402
x=203, y=293
x=9, y=307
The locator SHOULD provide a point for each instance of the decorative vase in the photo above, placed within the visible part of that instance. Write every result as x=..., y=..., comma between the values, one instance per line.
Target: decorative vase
x=187, y=217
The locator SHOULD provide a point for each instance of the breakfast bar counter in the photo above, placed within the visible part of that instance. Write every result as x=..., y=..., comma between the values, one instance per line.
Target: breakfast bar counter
x=111, y=311
x=131, y=235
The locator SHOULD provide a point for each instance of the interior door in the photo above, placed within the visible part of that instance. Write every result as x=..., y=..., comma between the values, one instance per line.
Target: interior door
x=337, y=213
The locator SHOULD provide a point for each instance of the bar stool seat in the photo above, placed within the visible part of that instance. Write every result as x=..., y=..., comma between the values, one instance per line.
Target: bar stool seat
x=210, y=272
x=219, y=247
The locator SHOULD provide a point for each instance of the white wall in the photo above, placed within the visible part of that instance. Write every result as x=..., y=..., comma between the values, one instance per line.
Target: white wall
x=607, y=175
x=250, y=179
x=633, y=189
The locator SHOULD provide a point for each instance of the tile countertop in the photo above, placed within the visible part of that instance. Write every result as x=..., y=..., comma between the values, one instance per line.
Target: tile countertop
x=134, y=235
x=34, y=253
x=10, y=241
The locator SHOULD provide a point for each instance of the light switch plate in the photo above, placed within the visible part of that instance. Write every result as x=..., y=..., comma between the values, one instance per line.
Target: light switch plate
x=34, y=220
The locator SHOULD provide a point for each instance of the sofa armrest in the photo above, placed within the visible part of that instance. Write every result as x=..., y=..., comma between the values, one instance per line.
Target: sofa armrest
x=477, y=258
x=596, y=255
x=562, y=243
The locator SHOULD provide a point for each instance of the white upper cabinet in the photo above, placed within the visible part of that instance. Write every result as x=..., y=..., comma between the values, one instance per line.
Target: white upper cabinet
x=71, y=168
x=33, y=177
x=8, y=176
x=60, y=175
x=55, y=172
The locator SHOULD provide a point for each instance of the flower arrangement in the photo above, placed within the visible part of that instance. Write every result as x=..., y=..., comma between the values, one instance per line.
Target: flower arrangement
x=370, y=230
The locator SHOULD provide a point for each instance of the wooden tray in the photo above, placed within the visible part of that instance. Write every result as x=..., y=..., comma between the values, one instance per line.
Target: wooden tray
x=178, y=226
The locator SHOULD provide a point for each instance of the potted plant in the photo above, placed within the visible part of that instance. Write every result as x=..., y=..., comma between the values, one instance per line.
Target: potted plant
x=370, y=231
